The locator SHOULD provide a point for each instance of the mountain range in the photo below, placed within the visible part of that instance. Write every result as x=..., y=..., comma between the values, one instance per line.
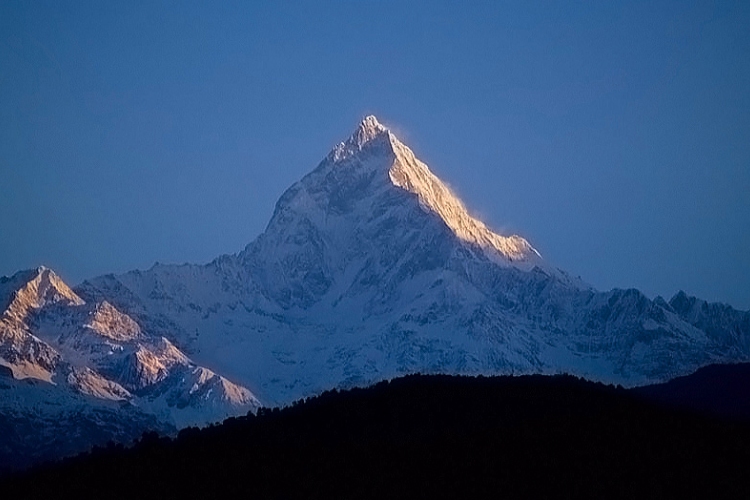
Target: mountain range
x=369, y=268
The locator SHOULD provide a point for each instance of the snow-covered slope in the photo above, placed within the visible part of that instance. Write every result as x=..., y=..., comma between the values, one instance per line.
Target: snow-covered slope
x=67, y=354
x=42, y=421
x=370, y=267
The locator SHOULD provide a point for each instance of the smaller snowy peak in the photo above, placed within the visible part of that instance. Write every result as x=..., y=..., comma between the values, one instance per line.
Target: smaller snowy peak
x=9, y=285
x=149, y=364
x=108, y=322
x=194, y=395
x=88, y=382
x=27, y=291
x=207, y=385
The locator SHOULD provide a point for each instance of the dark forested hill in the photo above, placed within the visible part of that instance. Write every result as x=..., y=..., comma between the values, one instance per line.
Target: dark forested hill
x=427, y=437
x=719, y=390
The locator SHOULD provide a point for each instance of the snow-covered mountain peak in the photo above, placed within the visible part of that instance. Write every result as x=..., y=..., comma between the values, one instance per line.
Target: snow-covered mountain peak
x=33, y=289
x=108, y=322
x=368, y=129
x=410, y=174
x=87, y=381
x=206, y=382
x=372, y=149
x=369, y=134
x=367, y=209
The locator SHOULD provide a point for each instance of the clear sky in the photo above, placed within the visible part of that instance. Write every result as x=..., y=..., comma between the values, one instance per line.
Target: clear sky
x=615, y=136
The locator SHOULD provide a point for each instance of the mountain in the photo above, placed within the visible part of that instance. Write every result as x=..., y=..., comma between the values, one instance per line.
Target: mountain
x=370, y=268
x=75, y=373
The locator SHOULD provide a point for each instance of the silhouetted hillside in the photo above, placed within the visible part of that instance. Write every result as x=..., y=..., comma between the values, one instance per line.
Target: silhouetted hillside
x=720, y=390
x=428, y=437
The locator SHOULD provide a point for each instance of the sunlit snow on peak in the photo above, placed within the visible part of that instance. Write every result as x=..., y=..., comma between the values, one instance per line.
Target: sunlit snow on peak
x=407, y=172
x=30, y=290
x=368, y=129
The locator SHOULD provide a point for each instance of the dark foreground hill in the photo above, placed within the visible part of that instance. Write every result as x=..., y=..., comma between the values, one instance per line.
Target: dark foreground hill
x=720, y=390
x=427, y=437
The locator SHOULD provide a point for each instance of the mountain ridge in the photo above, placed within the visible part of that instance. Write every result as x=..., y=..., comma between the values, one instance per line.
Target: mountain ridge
x=369, y=268
x=407, y=291
x=63, y=356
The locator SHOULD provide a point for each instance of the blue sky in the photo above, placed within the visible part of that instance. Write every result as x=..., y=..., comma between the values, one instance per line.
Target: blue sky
x=615, y=136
